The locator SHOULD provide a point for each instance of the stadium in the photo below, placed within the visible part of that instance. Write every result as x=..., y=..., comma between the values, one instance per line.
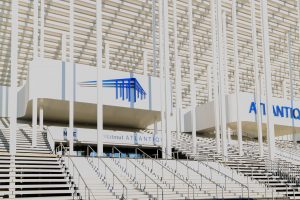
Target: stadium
x=149, y=99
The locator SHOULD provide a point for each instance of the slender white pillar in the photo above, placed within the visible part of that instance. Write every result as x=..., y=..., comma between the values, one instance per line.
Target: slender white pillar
x=222, y=80
x=257, y=84
x=237, y=78
x=284, y=89
x=35, y=28
x=13, y=77
x=209, y=83
x=268, y=81
x=13, y=93
x=192, y=75
x=298, y=9
x=225, y=68
x=215, y=62
x=168, y=99
x=71, y=79
x=154, y=35
x=35, y=55
x=162, y=83
x=107, y=61
x=42, y=29
x=178, y=98
x=99, y=77
x=145, y=56
x=291, y=70
x=41, y=117
x=178, y=72
x=63, y=47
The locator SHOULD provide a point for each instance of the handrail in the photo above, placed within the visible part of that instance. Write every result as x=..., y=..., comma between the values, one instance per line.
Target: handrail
x=52, y=143
x=175, y=175
x=137, y=167
x=211, y=168
x=124, y=195
x=90, y=193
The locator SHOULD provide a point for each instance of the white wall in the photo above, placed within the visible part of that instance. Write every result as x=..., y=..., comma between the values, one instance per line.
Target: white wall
x=89, y=136
x=206, y=120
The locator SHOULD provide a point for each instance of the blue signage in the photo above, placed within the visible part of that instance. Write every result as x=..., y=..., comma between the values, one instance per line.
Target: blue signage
x=126, y=88
x=278, y=111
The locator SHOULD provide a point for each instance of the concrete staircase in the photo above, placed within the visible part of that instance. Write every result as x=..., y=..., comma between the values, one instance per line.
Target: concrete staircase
x=251, y=166
x=34, y=172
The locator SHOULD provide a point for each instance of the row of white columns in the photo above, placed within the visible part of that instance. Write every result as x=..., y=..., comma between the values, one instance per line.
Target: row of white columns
x=219, y=64
x=218, y=23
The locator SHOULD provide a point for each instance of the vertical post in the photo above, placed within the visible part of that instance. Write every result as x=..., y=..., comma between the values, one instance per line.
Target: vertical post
x=284, y=89
x=162, y=83
x=13, y=91
x=154, y=34
x=178, y=99
x=225, y=68
x=63, y=47
x=192, y=75
x=209, y=83
x=291, y=69
x=237, y=78
x=298, y=9
x=107, y=55
x=178, y=71
x=35, y=55
x=13, y=76
x=42, y=34
x=257, y=84
x=168, y=94
x=99, y=77
x=268, y=81
x=222, y=81
x=71, y=79
x=226, y=86
x=145, y=56
x=215, y=73
x=41, y=117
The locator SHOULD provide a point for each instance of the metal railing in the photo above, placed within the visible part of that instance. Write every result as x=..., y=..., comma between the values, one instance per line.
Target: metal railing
x=141, y=185
x=50, y=140
x=79, y=182
x=226, y=177
x=105, y=176
x=164, y=170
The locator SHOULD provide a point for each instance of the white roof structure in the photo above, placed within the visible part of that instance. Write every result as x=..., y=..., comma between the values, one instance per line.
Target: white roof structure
x=128, y=29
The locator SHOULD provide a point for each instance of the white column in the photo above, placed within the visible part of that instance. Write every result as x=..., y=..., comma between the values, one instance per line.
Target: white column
x=168, y=99
x=145, y=56
x=222, y=81
x=35, y=55
x=63, y=47
x=268, y=81
x=284, y=89
x=291, y=70
x=162, y=83
x=178, y=72
x=215, y=73
x=13, y=77
x=154, y=35
x=225, y=68
x=298, y=9
x=237, y=78
x=41, y=117
x=42, y=35
x=209, y=83
x=192, y=75
x=107, y=61
x=71, y=79
x=257, y=84
x=99, y=77
x=13, y=93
